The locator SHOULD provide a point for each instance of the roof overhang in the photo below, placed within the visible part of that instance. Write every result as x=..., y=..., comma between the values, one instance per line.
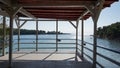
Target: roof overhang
x=55, y=9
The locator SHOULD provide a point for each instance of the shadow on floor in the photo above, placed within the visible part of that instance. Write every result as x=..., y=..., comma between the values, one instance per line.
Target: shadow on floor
x=47, y=64
x=66, y=63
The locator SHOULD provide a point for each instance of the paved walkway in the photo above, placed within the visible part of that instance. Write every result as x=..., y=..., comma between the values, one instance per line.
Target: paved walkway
x=45, y=60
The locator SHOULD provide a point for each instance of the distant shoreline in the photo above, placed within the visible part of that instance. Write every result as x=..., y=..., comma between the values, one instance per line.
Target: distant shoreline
x=45, y=34
x=33, y=32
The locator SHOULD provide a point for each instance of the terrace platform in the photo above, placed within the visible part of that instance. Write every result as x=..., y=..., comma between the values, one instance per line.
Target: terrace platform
x=45, y=60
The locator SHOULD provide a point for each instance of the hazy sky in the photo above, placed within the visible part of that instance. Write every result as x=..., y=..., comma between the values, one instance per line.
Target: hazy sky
x=108, y=16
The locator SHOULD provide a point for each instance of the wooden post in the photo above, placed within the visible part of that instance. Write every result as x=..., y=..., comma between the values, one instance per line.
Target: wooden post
x=77, y=36
x=18, y=35
x=10, y=41
x=4, y=35
x=82, y=37
x=95, y=45
x=56, y=35
x=36, y=35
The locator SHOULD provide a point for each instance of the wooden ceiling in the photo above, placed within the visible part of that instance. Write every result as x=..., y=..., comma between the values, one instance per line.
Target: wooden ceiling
x=58, y=9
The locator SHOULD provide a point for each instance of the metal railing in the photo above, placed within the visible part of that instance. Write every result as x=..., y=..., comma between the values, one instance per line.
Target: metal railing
x=101, y=55
x=45, y=41
x=72, y=41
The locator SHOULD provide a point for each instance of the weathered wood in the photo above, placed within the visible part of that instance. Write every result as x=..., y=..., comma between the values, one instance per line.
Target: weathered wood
x=36, y=35
x=82, y=38
x=56, y=35
x=18, y=35
x=10, y=41
x=4, y=35
x=77, y=36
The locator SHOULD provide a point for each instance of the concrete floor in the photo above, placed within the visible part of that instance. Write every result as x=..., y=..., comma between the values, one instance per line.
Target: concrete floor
x=44, y=60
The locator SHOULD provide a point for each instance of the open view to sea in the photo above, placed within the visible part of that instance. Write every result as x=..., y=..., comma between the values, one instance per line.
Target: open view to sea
x=67, y=43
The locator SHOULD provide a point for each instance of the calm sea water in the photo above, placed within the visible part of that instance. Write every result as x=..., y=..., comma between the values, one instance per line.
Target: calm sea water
x=65, y=39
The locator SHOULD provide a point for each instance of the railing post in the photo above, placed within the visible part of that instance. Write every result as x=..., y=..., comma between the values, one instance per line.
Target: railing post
x=18, y=35
x=82, y=38
x=36, y=35
x=4, y=35
x=77, y=36
x=56, y=35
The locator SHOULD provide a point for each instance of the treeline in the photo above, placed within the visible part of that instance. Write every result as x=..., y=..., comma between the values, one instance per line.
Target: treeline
x=1, y=30
x=29, y=32
x=111, y=32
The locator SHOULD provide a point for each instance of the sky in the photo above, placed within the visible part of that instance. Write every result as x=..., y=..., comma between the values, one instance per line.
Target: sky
x=108, y=16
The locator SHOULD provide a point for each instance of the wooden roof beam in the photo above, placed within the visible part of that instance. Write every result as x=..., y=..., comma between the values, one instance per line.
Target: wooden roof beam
x=55, y=10
x=90, y=8
x=82, y=15
x=24, y=12
x=56, y=3
x=14, y=2
x=6, y=2
x=39, y=19
x=60, y=18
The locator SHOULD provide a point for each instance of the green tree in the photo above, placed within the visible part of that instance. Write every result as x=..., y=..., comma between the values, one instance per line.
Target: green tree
x=111, y=32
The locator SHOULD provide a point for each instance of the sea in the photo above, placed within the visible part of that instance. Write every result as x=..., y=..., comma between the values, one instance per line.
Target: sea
x=67, y=43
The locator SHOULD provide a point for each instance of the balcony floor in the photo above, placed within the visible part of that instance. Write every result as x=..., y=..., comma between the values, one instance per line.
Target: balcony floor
x=45, y=60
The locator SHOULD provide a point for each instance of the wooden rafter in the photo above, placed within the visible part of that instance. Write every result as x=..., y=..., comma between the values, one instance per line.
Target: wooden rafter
x=56, y=8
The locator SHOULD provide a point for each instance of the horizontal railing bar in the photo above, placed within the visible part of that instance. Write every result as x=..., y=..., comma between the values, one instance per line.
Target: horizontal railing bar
x=109, y=49
x=42, y=39
x=44, y=43
x=47, y=48
x=34, y=43
x=100, y=65
x=88, y=49
x=105, y=48
x=88, y=43
x=113, y=61
x=88, y=56
x=66, y=43
x=92, y=59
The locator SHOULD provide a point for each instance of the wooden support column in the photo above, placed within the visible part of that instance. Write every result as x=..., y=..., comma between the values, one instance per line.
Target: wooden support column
x=77, y=36
x=56, y=35
x=95, y=45
x=18, y=35
x=36, y=35
x=4, y=35
x=10, y=41
x=11, y=12
x=95, y=19
x=82, y=38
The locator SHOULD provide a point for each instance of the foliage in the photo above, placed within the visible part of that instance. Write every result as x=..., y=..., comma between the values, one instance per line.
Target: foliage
x=28, y=32
x=1, y=34
x=1, y=29
x=111, y=32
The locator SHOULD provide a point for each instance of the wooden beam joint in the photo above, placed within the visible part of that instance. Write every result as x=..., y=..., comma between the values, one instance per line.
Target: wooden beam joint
x=75, y=26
